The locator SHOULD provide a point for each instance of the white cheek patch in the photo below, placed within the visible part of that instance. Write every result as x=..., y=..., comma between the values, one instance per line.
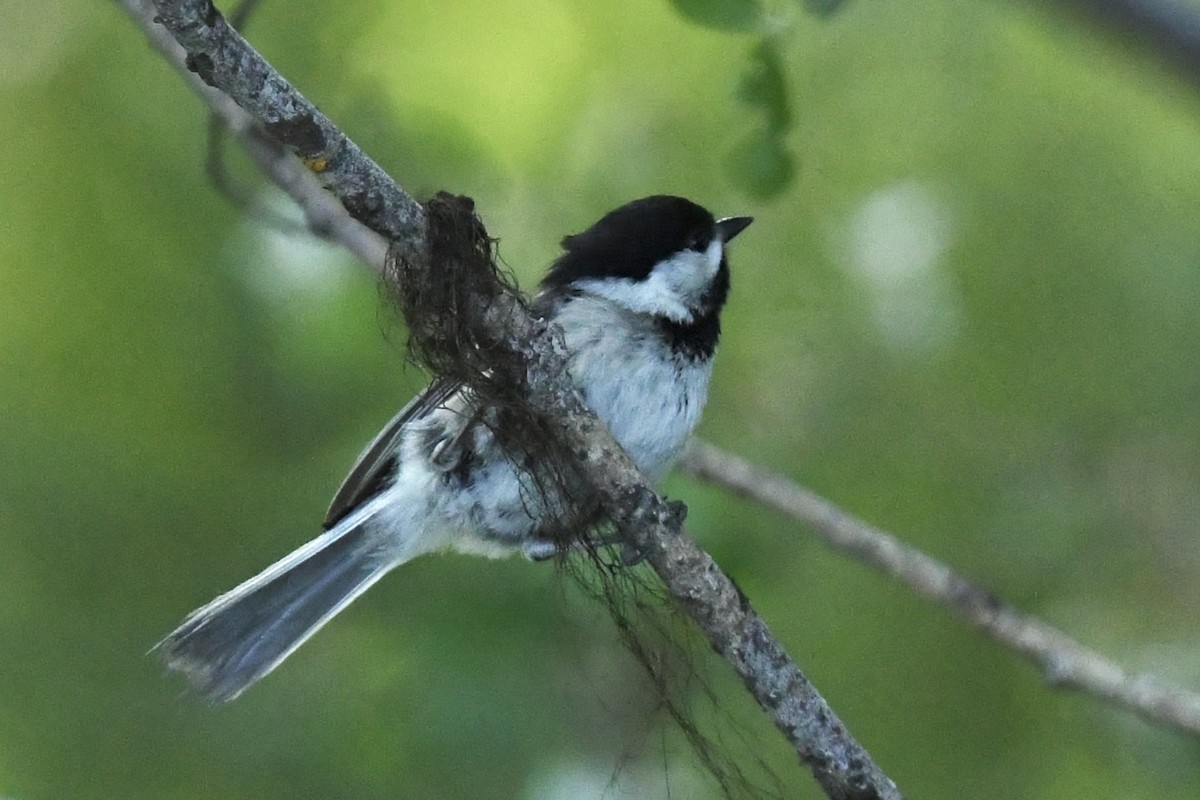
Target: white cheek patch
x=651, y=296
x=673, y=288
x=714, y=254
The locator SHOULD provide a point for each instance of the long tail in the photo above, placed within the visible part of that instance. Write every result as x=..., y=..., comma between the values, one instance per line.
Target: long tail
x=226, y=646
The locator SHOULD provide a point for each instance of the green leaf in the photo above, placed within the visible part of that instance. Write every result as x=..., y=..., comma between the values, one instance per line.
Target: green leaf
x=760, y=164
x=764, y=86
x=722, y=15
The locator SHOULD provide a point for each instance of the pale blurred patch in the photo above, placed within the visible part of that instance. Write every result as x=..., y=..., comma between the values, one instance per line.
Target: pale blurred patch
x=645, y=781
x=892, y=244
x=287, y=265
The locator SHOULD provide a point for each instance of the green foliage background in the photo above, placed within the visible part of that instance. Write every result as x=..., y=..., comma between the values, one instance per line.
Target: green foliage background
x=968, y=312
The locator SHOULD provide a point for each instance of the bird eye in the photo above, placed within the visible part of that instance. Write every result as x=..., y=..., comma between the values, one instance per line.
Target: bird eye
x=698, y=241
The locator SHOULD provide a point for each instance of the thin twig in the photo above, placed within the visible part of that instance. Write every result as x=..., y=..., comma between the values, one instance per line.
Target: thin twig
x=223, y=59
x=1064, y=662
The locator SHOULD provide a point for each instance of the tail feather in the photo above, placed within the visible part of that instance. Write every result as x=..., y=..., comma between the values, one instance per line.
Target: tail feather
x=226, y=646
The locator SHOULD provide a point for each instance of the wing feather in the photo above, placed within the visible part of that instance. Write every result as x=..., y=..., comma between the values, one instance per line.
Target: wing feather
x=373, y=464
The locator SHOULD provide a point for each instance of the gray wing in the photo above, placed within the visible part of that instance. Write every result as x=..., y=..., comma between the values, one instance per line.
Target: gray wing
x=376, y=460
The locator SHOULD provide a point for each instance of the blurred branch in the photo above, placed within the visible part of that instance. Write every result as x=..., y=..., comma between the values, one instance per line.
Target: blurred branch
x=1169, y=27
x=1064, y=662
x=220, y=58
x=243, y=196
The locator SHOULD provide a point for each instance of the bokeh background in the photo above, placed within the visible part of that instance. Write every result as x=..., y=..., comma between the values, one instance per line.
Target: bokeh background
x=969, y=312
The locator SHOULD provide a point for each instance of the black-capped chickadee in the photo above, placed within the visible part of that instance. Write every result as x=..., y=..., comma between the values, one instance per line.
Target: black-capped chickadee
x=638, y=297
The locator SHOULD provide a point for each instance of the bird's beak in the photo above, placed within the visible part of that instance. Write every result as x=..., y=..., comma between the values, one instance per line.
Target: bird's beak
x=731, y=226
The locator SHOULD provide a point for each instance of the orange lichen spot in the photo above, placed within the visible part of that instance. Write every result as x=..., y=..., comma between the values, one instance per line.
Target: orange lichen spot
x=316, y=164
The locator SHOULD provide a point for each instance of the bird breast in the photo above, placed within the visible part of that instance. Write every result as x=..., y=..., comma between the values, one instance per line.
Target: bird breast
x=649, y=397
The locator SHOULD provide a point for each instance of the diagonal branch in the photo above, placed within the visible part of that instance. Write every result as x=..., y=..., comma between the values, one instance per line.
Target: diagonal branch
x=1065, y=662
x=212, y=50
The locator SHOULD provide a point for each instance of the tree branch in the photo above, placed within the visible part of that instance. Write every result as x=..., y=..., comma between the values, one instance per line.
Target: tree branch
x=323, y=212
x=222, y=59
x=1064, y=662
x=1168, y=28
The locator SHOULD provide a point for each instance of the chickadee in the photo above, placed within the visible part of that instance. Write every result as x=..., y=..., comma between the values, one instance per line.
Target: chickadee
x=638, y=297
